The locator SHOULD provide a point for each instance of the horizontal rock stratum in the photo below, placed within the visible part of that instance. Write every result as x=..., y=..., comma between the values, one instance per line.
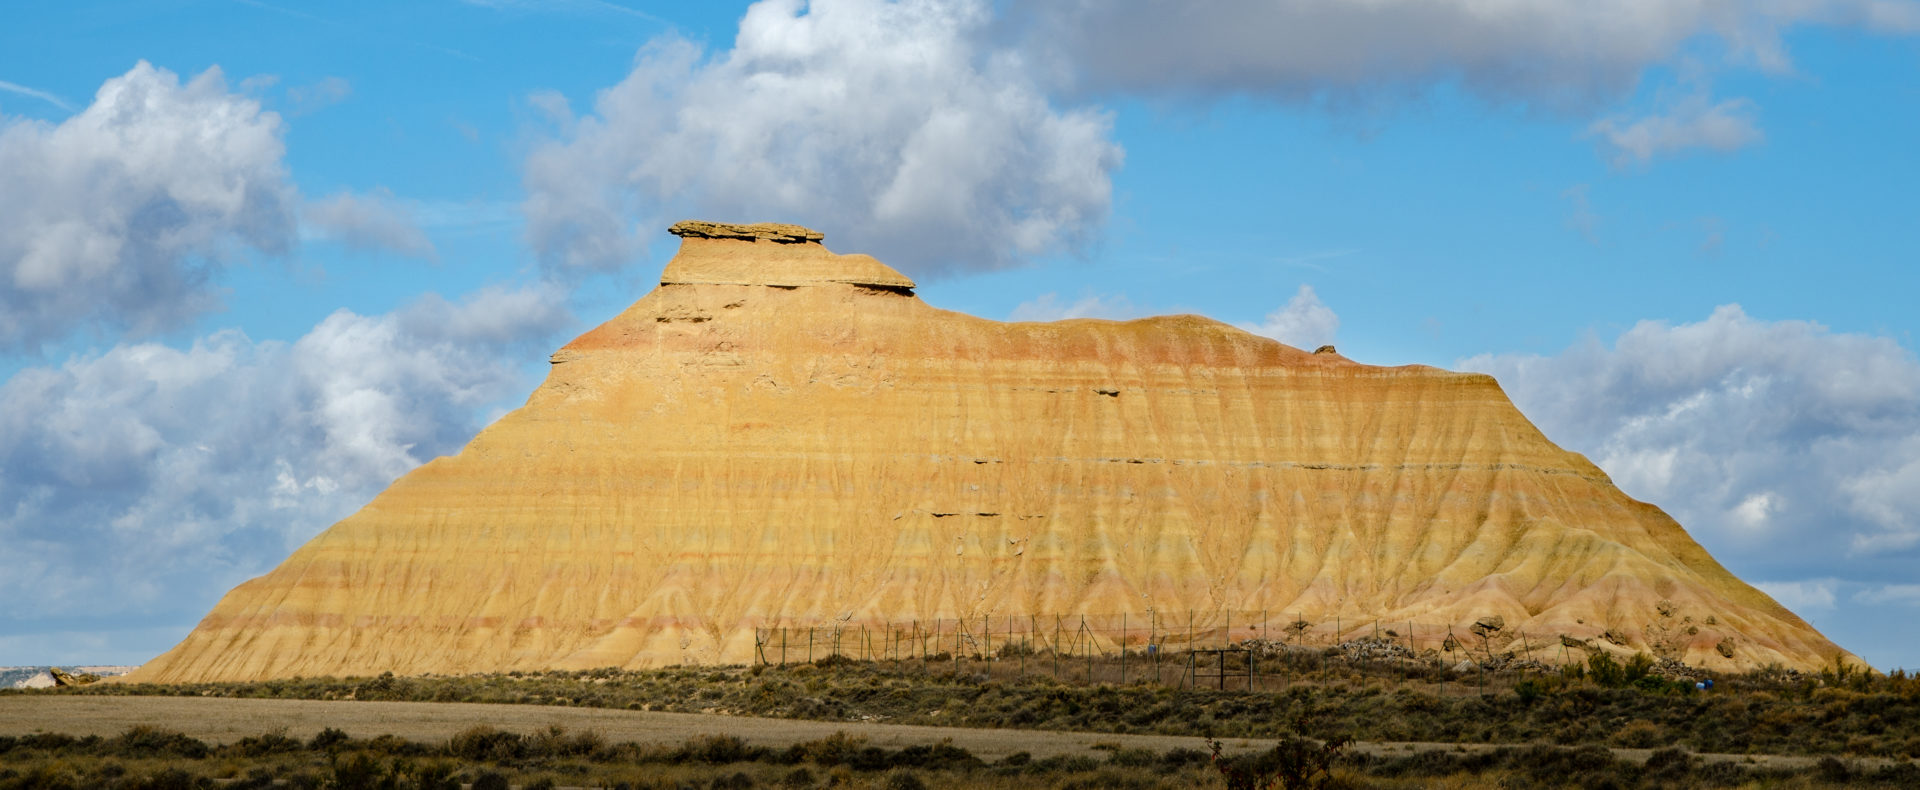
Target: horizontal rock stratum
x=779, y=436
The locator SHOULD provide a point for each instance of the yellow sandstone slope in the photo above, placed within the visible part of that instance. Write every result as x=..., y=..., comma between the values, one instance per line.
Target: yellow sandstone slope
x=782, y=436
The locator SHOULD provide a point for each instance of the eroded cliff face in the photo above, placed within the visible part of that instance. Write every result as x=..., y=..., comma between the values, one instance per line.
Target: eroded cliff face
x=781, y=436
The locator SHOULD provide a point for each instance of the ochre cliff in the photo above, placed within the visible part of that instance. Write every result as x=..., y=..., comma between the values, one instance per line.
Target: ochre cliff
x=781, y=436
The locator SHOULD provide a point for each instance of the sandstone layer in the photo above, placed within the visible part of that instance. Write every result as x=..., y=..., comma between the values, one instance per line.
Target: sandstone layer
x=779, y=436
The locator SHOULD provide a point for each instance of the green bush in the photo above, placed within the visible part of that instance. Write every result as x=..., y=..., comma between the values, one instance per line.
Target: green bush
x=481, y=743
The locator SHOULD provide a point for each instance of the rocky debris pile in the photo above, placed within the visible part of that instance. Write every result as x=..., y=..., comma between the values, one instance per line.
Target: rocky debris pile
x=1269, y=648
x=1674, y=670
x=1508, y=662
x=1372, y=649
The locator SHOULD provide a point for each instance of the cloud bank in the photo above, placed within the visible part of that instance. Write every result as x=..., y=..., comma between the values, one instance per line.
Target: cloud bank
x=147, y=479
x=1792, y=449
x=115, y=218
x=1559, y=55
x=893, y=127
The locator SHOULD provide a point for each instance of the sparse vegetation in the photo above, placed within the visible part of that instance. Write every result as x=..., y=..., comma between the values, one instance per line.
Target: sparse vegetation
x=1842, y=712
x=145, y=758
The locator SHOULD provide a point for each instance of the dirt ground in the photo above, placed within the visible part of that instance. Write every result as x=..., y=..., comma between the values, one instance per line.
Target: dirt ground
x=225, y=720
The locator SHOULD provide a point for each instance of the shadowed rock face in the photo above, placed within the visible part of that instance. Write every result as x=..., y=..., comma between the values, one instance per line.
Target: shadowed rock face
x=782, y=436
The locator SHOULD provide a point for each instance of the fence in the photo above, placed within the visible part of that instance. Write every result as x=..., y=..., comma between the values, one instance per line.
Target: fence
x=1222, y=649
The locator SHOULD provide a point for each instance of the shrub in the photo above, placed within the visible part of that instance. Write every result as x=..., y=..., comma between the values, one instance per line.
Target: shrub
x=170, y=779
x=1669, y=764
x=436, y=775
x=836, y=749
x=1293, y=763
x=145, y=741
x=1640, y=734
x=1832, y=770
x=357, y=771
x=270, y=743
x=326, y=739
x=481, y=743
x=491, y=780
x=943, y=756
x=901, y=779
x=1605, y=671
x=555, y=742
x=720, y=750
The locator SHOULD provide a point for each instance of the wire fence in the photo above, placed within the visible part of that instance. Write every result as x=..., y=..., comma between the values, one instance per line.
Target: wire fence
x=1244, y=650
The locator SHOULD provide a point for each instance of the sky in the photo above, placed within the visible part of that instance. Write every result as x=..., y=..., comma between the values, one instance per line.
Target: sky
x=258, y=259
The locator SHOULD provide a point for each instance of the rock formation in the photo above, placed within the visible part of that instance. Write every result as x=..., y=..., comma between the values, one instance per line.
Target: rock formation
x=782, y=436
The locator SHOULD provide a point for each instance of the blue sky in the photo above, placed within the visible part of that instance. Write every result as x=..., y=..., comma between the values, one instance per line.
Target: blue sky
x=259, y=258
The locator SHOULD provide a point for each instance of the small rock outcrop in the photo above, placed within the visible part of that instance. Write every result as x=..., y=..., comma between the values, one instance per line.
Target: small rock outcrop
x=770, y=253
x=62, y=677
x=777, y=232
x=1487, y=627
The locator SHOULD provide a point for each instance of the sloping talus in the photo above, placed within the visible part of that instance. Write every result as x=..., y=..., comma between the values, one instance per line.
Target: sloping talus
x=782, y=436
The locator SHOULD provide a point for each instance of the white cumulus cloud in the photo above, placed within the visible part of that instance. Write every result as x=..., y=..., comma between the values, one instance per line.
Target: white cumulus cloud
x=146, y=479
x=1791, y=450
x=116, y=217
x=893, y=127
x=1303, y=322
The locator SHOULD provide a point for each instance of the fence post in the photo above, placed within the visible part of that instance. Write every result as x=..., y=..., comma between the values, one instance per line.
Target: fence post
x=1089, y=637
x=1123, y=648
x=1031, y=621
x=1056, y=647
x=1153, y=636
